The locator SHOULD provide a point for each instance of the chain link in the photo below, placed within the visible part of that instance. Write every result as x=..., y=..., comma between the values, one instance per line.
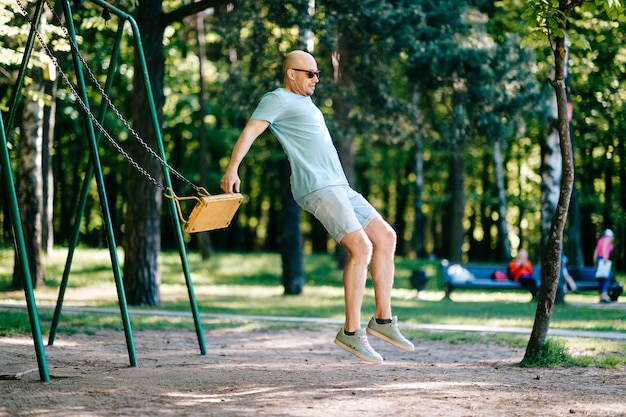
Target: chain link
x=106, y=134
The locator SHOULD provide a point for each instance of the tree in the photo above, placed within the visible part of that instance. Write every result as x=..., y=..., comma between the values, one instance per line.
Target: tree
x=204, y=239
x=143, y=211
x=552, y=21
x=33, y=167
x=30, y=178
x=293, y=276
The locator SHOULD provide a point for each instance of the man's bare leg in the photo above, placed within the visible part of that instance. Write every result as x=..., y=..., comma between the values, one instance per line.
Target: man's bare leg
x=382, y=268
x=359, y=250
x=351, y=337
x=383, y=325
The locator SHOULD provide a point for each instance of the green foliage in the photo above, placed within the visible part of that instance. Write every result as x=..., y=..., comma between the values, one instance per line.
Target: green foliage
x=613, y=8
x=545, y=18
x=475, y=85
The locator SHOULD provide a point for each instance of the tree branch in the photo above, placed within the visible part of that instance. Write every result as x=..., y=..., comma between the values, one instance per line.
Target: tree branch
x=191, y=9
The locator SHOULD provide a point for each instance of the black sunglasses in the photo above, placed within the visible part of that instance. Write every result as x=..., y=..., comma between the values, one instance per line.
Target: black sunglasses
x=309, y=73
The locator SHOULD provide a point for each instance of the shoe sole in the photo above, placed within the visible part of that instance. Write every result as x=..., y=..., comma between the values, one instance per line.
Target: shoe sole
x=390, y=340
x=357, y=353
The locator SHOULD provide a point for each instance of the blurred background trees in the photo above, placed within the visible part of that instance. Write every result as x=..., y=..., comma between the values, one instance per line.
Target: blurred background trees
x=438, y=111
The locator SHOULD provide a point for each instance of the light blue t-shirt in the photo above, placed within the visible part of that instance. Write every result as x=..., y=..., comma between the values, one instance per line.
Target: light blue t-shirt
x=300, y=128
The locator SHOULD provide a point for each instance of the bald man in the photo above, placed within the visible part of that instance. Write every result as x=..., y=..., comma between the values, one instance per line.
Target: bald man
x=319, y=185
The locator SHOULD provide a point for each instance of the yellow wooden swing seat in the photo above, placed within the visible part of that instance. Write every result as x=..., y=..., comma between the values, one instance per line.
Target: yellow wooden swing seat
x=211, y=212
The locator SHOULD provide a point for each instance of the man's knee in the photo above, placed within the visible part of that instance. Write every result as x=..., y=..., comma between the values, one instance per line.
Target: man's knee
x=382, y=234
x=390, y=235
x=358, y=244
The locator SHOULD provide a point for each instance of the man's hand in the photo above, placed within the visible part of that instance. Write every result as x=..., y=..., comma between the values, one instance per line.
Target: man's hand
x=230, y=182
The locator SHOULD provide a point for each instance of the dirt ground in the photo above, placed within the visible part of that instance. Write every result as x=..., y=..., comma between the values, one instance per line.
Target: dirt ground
x=290, y=373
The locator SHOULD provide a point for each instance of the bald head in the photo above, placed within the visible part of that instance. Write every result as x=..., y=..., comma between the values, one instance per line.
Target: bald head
x=298, y=71
x=298, y=59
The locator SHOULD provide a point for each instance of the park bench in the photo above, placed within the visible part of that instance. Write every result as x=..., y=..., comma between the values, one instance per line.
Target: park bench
x=585, y=279
x=481, y=276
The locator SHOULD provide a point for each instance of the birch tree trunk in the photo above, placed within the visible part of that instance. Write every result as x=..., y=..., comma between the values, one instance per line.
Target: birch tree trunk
x=30, y=177
x=551, y=173
x=49, y=117
x=504, y=243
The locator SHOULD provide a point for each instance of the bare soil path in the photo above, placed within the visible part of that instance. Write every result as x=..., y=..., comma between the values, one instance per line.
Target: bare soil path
x=291, y=373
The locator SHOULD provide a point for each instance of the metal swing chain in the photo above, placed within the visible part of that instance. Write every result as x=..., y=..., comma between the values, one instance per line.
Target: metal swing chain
x=116, y=145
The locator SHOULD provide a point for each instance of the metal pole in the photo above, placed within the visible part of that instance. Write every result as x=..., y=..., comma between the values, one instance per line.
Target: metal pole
x=20, y=247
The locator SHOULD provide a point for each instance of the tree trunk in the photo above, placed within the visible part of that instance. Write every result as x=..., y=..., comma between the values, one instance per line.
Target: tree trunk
x=456, y=179
x=574, y=230
x=456, y=206
x=204, y=239
x=504, y=244
x=291, y=237
x=551, y=268
x=47, y=224
x=419, y=246
x=342, y=105
x=142, y=233
x=551, y=173
x=30, y=177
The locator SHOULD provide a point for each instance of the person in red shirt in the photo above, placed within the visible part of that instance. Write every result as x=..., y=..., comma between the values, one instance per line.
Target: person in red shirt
x=521, y=270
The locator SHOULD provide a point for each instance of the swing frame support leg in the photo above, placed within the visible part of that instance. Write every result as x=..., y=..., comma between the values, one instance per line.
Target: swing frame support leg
x=20, y=247
x=9, y=186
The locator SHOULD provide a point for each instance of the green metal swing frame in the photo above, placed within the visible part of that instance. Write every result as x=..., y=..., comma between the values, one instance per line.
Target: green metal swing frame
x=94, y=168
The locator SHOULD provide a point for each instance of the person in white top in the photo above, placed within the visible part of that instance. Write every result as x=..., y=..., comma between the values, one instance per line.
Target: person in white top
x=319, y=185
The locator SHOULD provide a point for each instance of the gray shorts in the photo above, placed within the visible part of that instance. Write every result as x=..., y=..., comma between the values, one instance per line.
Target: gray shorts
x=340, y=209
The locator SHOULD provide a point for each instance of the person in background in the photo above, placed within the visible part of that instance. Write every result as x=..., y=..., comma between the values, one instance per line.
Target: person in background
x=521, y=270
x=570, y=284
x=319, y=185
x=603, y=250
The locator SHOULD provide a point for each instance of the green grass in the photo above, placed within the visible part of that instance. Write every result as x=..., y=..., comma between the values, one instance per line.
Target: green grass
x=250, y=284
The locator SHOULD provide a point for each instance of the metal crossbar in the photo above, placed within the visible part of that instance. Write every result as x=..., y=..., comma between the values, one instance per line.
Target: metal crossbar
x=108, y=100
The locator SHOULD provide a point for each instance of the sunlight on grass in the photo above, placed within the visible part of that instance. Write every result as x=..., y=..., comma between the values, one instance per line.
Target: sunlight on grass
x=236, y=283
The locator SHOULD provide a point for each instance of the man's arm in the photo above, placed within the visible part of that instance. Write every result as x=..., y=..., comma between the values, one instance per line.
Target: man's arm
x=230, y=181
